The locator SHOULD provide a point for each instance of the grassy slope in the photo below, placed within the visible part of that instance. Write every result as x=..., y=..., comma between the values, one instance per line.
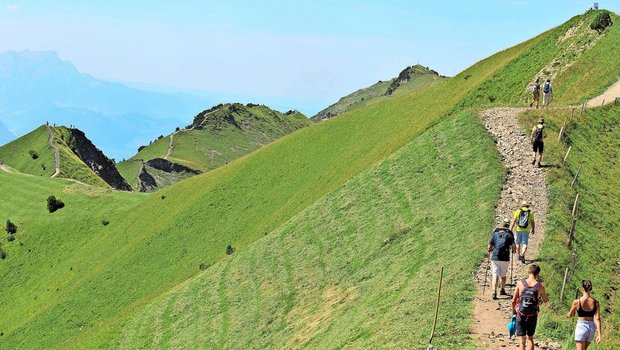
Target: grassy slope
x=16, y=153
x=368, y=253
x=162, y=242
x=50, y=254
x=376, y=92
x=596, y=245
x=208, y=149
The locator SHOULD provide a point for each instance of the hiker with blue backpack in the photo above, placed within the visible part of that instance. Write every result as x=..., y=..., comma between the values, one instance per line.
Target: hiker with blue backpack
x=523, y=225
x=528, y=296
x=547, y=93
x=501, y=244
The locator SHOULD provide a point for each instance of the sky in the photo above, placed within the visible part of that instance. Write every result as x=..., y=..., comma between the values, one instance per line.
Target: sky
x=288, y=54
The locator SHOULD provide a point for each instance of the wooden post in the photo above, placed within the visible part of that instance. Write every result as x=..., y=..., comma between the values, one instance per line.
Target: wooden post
x=567, y=152
x=571, y=233
x=603, y=102
x=575, y=206
x=572, y=114
x=576, y=174
x=564, y=284
x=430, y=341
x=562, y=129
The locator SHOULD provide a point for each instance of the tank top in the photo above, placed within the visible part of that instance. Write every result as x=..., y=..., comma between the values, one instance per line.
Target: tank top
x=583, y=313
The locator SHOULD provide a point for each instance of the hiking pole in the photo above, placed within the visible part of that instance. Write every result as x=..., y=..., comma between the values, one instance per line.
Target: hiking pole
x=512, y=258
x=486, y=272
x=430, y=341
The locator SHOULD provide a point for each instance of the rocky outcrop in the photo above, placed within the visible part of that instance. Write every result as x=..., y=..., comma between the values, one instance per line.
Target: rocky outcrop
x=406, y=75
x=96, y=160
x=170, y=167
x=158, y=173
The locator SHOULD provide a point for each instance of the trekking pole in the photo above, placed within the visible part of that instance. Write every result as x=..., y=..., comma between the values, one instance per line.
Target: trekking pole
x=430, y=341
x=486, y=272
x=512, y=258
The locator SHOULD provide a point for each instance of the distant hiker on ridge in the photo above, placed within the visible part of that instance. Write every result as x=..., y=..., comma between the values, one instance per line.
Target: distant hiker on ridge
x=526, y=300
x=536, y=93
x=547, y=93
x=538, y=143
x=523, y=219
x=501, y=244
x=589, y=321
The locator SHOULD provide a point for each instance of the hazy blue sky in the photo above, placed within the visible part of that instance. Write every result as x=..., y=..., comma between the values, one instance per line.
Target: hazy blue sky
x=294, y=54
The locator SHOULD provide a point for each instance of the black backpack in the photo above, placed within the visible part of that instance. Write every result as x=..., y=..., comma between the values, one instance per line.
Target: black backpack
x=523, y=220
x=546, y=87
x=528, y=301
x=538, y=134
x=502, y=245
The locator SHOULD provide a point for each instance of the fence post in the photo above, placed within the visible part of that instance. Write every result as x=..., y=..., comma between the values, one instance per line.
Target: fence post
x=562, y=130
x=603, y=102
x=567, y=152
x=572, y=114
x=575, y=206
x=430, y=341
x=564, y=284
x=576, y=174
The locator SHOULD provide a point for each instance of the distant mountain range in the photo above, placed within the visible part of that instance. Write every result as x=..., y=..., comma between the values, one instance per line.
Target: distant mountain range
x=36, y=87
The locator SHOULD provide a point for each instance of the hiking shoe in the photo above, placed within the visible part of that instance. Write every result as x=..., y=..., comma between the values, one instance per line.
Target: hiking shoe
x=502, y=292
x=494, y=296
x=534, y=162
x=539, y=165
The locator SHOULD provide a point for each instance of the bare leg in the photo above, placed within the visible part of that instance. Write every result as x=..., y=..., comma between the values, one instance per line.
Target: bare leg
x=494, y=283
x=524, y=250
x=580, y=345
x=503, y=282
x=530, y=343
x=522, y=343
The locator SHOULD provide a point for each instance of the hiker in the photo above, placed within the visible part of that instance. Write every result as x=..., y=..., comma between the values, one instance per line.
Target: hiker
x=502, y=242
x=536, y=93
x=538, y=144
x=547, y=93
x=523, y=225
x=588, y=321
x=528, y=296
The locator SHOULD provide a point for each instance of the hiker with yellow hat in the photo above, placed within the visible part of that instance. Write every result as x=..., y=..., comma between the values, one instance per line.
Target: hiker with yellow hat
x=522, y=225
x=538, y=142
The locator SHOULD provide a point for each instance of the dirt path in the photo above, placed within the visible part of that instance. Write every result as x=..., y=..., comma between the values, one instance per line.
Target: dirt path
x=607, y=97
x=170, y=146
x=50, y=141
x=524, y=182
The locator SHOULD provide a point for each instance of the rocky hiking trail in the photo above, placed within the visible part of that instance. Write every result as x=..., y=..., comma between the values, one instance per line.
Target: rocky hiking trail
x=50, y=141
x=523, y=182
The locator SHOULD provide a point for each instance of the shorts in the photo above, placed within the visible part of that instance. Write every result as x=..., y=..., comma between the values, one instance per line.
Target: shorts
x=585, y=330
x=499, y=268
x=538, y=147
x=526, y=325
x=522, y=237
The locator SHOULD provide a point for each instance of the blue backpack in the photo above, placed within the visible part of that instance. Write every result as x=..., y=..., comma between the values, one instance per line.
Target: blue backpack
x=547, y=87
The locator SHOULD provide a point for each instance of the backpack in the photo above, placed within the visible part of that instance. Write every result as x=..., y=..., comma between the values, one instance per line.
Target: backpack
x=502, y=245
x=535, y=88
x=538, y=133
x=523, y=220
x=547, y=87
x=528, y=301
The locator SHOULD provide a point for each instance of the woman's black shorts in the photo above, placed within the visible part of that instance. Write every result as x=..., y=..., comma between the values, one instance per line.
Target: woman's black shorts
x=538, y=146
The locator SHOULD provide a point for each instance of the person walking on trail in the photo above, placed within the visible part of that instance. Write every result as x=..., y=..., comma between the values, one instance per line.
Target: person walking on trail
x=589, y=317
x=523, y=225
x=538, y=144
x=547, y=93
x=528, y=296
x=536, y=93
x=502, y=242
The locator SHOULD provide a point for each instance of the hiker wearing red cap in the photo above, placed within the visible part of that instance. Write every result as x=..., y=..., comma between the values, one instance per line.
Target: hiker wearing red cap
x=528, y=296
